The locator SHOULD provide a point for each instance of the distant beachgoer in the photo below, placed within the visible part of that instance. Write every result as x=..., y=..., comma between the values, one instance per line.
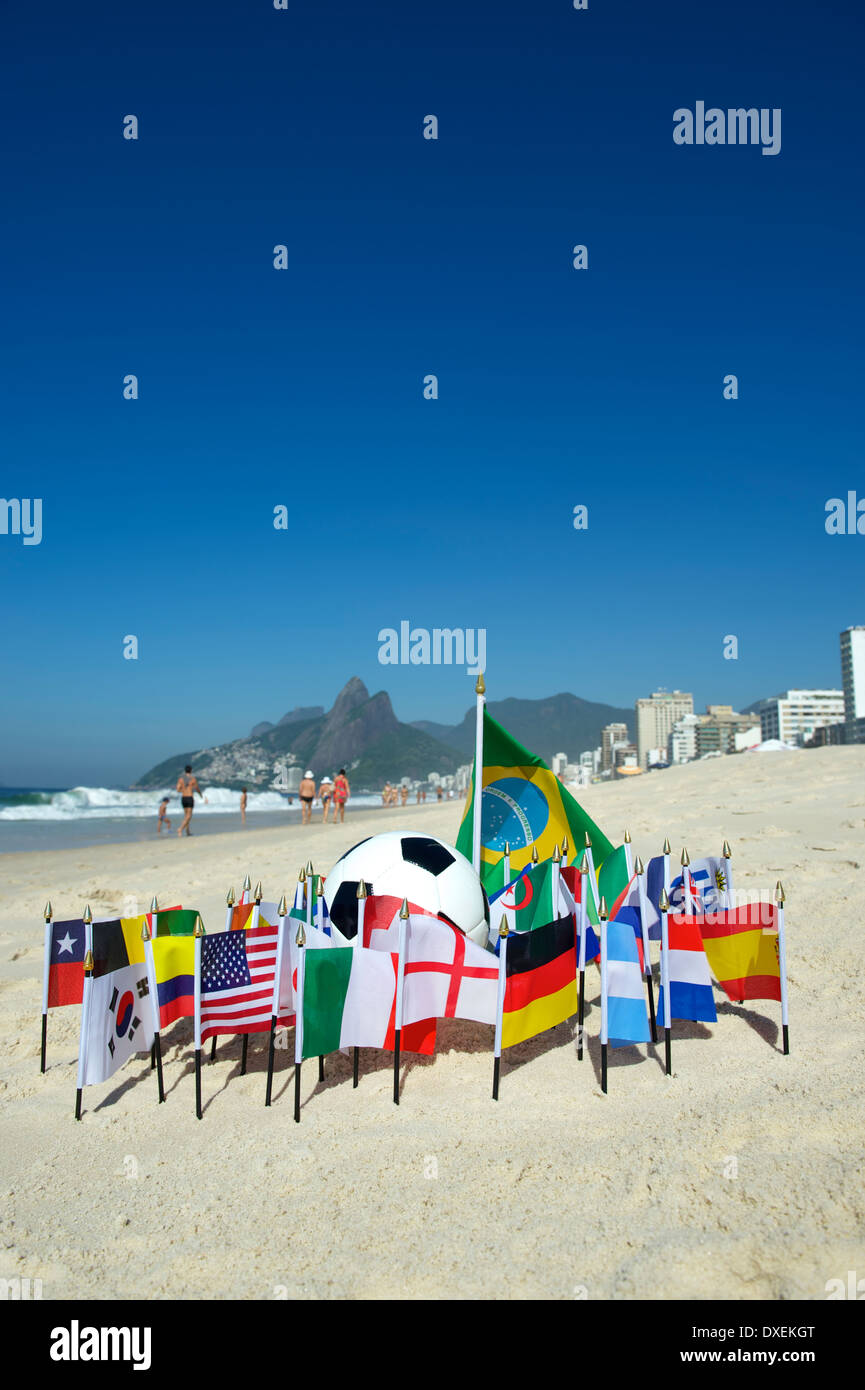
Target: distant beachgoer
x=417, y=797
x=385, y=794
x=325, y=791
x=163, y=816
x=341, y=793
x=403, y=795
x=439, y=793
x=243, y=805
x=306, y=792
x=187, y=785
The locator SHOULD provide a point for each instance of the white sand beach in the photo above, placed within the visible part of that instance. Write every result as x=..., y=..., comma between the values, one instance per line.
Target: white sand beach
x=739, y=1177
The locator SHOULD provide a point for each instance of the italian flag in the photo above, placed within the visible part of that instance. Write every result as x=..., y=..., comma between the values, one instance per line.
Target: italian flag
x=349, y=1000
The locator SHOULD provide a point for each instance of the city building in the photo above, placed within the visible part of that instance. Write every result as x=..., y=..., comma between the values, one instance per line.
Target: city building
x=559, y=763
x=656, y=717
x=611, y=735
x=793, y=716
x=853, y=681
x=682, y=746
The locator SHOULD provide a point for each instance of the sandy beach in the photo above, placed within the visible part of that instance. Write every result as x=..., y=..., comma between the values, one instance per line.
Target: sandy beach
x=739, y=1177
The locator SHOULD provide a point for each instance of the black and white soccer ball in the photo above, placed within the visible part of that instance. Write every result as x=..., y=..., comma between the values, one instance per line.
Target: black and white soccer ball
x=430, y=873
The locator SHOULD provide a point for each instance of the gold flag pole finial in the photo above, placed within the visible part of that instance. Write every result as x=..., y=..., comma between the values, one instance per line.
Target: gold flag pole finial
x=638, y=867
x=726, y=851
x=198, y=929
x=145, y=934
x=301, y=878
x=664, y=902
x=300, y=939
x=666, y=849
x=257, y=893
x=504, y=929
x=362, y=889
x=557, y=855
x=602, y=910
x=404, y=912
x=686, y=859
x=246, y=884
x=282, y=910
x=584, y=868
x=627, y=839
x=565, y=847
x=780, y=895
x=48, y=911
x=588, y=840
x=87, y=915
x=508, y=848
x=535, y=859
x=154, y=905
x=309, y=869
x=480, y=687
x=229, y=898
x=88, y=963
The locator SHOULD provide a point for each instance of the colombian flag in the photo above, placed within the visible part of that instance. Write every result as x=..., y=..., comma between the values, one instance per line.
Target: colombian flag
x=541, y=988
x=744, y=956
x=174, y=969
x=524, y=805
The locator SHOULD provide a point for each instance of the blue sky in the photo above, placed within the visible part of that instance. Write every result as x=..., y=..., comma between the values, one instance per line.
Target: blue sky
x=304, y=387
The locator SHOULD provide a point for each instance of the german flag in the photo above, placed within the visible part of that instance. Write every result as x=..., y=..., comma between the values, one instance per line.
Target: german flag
x=541, y=988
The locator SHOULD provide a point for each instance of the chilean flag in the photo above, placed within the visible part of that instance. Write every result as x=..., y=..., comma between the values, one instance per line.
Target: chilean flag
x=690, y=982
x=66, y=963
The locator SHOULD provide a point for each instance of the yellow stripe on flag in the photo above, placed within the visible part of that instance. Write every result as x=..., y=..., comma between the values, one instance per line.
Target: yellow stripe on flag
x=742, y=955
x=131, y=928
x=173, y=956
x=540, y=1015
x=556, y=827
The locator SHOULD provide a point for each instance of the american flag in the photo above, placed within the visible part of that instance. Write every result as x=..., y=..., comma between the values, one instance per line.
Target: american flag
x=237, y=969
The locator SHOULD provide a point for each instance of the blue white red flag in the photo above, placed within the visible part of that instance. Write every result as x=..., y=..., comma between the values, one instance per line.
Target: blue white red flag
x=690, y=981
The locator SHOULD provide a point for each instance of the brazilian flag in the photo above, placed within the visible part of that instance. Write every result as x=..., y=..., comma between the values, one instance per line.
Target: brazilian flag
x=524, y=805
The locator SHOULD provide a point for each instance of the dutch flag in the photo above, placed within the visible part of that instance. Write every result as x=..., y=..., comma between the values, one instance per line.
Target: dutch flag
x=690, y=982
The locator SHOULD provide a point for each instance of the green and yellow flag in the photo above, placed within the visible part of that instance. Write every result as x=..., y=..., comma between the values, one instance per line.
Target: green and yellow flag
x=524, y=805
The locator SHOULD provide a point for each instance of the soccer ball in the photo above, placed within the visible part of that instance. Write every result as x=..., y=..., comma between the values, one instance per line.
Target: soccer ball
x=431, y=874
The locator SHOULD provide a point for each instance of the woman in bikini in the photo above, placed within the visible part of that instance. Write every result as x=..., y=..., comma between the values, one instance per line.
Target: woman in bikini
x=341, y=793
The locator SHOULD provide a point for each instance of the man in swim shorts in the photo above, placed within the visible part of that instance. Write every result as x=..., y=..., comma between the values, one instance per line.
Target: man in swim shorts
x=187, y=785
x=306, y=792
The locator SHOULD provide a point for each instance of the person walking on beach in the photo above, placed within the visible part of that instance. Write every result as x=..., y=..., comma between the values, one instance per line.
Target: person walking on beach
x=243, y=805
x=325, y=791
x=187, y=785
x=341, y=793
x=385, y=794
x=163, y=816
x=403, y=794
x=306, y=792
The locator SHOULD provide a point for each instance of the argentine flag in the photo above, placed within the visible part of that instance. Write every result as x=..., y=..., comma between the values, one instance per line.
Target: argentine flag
x=627, y=1016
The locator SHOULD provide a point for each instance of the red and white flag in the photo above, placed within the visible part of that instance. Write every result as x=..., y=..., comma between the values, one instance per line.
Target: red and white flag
x=446, y=974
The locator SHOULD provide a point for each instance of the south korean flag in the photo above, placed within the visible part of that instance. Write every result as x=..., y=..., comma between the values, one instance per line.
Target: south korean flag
x=120, y=1021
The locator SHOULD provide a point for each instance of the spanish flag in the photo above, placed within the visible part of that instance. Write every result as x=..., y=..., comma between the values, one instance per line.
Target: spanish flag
x=541, y=988
x=524, y=805
x=742, y=949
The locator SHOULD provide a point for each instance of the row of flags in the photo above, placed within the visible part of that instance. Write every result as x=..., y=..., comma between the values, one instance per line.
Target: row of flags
x=271, y=966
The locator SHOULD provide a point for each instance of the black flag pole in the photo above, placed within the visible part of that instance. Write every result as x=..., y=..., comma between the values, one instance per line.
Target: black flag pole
x=400, y=979
x=282, y=912
x=584, y=919
x=47, y=914
x=198, y=933
x=664, y=906
x=362, y=895
x=605, y=1007
x=500, y=1002
x=639, y=870
x=85, y=1008
x=780, y=899
x=298, y=1025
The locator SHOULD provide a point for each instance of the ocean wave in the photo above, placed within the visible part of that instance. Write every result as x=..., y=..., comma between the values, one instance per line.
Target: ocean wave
x=106, y=803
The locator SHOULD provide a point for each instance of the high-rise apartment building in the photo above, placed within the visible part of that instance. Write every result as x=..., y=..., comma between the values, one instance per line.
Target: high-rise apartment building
x=656, y=717
x=853, y=681
x=611, y=734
